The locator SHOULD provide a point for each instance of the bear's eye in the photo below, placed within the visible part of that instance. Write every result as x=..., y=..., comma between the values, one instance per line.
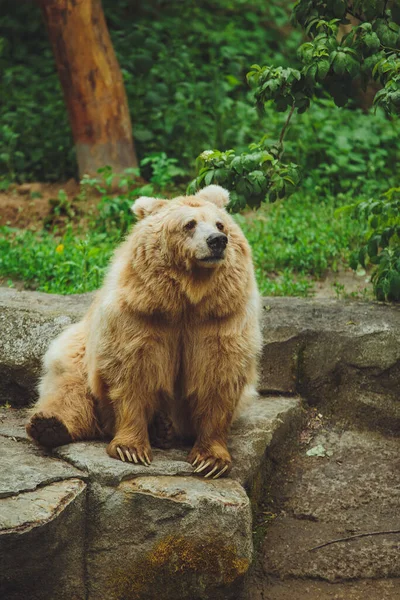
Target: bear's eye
x=191, y=225
x=220, y=226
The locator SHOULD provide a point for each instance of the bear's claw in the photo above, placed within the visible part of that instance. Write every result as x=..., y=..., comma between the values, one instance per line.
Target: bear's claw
x=221, y=472
x=211, y=472
x=218, y=466
x=203, y=465
x=121, y=454
x=125, y=454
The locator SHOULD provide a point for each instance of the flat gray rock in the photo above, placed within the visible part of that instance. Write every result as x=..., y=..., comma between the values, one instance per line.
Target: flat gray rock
x=92, y=458
x=262, y=422
x=353, y=489
x=296, y=589
x=13, y=421
x=24, y=468
x=29, y=321
x=343, y=356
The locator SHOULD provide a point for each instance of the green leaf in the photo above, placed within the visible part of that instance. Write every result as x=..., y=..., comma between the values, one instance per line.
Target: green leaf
x=352, y=66
x=209, y=177
x=372, y=247
x=372, y=42
x=323, y=69
x=340, y=63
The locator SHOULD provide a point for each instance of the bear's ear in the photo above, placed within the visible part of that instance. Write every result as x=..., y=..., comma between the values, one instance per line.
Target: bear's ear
x=144, y=206
x=215, y=194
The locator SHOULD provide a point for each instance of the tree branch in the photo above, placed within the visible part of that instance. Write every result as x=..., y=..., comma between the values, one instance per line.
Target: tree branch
x=353, y=537
x=284, y=128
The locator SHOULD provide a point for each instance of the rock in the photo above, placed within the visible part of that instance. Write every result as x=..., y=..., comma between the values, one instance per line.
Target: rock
x=29, y=321
x=93, y=459
x=13, y=421
x=343, y=356
x=354, y=490
x=168, y=537
x=40, y=557
x=295, y=589
x=24, y=189
x=266, y=423
x=27, y=189
x=155, y=531
x=24, y=467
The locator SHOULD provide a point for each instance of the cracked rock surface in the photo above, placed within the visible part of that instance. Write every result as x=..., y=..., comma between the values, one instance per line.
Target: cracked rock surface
x=352, y=488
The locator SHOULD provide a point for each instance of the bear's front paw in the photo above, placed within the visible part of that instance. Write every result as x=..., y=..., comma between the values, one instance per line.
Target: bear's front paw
x=133, y=452
x=213, y=461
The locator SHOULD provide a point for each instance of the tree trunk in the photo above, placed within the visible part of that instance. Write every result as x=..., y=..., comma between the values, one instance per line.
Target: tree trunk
x=92, y=83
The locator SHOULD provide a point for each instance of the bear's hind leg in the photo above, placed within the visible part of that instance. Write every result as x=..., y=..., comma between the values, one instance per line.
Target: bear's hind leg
x=48, y=431
x=65, y=409
x=64, y=414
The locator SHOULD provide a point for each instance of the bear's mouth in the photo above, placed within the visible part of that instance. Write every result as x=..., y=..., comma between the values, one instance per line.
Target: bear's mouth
x=215, y=258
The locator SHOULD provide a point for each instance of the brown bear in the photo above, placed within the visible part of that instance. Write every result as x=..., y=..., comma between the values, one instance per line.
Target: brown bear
x=171, y=338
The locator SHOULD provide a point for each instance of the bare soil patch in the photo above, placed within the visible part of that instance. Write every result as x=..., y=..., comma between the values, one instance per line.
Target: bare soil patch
x=29, y=204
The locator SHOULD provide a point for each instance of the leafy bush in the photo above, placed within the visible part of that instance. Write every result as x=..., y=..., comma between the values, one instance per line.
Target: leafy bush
x=382, y=243
x=252, y=175
x=341, y=150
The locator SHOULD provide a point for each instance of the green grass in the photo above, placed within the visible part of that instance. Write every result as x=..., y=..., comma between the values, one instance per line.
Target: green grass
x=294, y=243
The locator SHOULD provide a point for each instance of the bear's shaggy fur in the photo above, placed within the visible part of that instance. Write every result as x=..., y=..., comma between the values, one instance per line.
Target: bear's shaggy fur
x=171, y=339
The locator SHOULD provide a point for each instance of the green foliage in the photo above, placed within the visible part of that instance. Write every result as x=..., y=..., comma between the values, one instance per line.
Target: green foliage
x=370, y=49
x=296, y=240
x=252, y=175
x=61, y=264
x=164, y=170
x=382, y=243
x=344, y=150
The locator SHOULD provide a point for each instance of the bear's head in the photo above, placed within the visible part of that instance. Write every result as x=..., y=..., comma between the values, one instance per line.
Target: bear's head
x=191, y=231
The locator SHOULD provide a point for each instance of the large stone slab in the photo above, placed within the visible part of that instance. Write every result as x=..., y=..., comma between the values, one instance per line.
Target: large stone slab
x=160, y=530
x=353, y=489
x=168, y=537
x=42, y=534
x=29, y=321
x=344, y=356
x=24, y=468
x=297, y=589
x=265, y=423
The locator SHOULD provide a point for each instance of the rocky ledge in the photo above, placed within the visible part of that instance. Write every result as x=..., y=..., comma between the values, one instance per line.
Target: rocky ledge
x=76, y=524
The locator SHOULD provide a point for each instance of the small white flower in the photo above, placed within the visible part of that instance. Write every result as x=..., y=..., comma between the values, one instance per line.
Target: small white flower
x=206, y=154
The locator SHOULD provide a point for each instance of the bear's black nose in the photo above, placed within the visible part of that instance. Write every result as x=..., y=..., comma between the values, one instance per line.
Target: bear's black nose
x=217, y=241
